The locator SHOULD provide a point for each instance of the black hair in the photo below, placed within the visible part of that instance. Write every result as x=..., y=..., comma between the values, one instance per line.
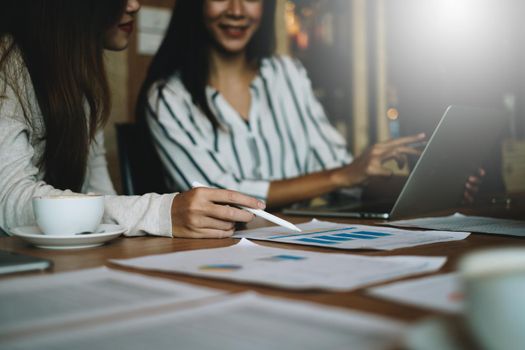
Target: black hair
x=61, y=43
x=185, y=51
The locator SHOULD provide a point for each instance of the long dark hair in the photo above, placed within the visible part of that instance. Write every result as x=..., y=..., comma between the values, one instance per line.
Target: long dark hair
x=61, y=43
x=185, y=50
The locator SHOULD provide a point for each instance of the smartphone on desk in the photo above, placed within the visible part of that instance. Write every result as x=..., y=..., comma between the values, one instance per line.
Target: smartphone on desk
x=13, y=262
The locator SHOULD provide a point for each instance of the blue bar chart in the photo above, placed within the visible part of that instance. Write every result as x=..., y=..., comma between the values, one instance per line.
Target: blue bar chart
x=350, y=236
x=333, y=237
x=338, y=238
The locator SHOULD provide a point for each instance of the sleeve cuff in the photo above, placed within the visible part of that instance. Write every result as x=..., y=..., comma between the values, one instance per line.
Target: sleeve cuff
x=165, y=224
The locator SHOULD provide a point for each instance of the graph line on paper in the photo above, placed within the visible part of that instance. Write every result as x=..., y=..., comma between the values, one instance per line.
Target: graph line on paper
x=282, y=257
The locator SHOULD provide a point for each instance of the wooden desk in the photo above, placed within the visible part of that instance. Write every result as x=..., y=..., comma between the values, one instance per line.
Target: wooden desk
x=121, y=248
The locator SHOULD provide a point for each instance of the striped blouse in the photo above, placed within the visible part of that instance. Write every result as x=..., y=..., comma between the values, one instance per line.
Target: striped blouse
x=288, y=134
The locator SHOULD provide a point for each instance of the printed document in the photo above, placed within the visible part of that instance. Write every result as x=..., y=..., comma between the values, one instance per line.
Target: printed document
x=348, y=236
x=29, y=302
x=441, y=293
x=252, y=263
x=460, y=222
x=238, y=322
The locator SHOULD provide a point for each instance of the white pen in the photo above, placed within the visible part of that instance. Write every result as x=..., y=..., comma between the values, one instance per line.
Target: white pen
x=260, y=213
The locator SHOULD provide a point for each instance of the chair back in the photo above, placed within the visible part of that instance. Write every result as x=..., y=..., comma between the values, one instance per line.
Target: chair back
x=140, y=167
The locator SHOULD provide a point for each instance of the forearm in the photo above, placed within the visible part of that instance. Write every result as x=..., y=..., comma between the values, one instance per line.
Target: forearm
x=146, y=214
x=284, y=192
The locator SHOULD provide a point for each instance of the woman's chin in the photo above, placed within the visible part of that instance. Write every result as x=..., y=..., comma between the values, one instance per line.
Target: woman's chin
x=232, y=50
x=117, y=42
x=116, y=47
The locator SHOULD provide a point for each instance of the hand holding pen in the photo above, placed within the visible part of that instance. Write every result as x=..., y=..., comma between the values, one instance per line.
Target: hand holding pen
x=261, y=213
x=210, y=212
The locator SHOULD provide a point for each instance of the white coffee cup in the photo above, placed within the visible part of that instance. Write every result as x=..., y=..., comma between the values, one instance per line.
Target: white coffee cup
x=68, y=215
x=494, y=282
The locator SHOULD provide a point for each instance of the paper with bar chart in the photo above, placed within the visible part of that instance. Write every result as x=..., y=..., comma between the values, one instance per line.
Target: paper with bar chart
x=294, y=269
x=347, y=236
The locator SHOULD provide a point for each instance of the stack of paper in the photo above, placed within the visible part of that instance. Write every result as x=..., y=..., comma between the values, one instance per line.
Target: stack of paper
x=346, y=236
x=252, y=263
x=29, y=303
x=235, y=323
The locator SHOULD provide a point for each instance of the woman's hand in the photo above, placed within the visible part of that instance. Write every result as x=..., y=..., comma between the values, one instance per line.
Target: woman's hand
x=209, y=212
x=472, y=186
x=370, y=163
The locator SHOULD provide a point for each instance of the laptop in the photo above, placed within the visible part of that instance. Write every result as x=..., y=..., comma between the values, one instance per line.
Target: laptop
x=457, y=149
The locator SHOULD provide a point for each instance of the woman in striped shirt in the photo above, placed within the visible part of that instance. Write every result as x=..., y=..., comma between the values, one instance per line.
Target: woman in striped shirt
x=225, y=111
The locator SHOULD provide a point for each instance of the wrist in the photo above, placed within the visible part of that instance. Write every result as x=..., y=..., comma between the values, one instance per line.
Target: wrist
x=346, y=176
x=338, y=177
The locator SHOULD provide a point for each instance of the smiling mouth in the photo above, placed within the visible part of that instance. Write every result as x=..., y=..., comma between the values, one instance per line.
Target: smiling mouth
x=234, y=31
x=126, y=27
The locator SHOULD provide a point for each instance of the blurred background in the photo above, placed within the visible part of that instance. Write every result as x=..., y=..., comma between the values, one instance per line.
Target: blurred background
x=381, y=68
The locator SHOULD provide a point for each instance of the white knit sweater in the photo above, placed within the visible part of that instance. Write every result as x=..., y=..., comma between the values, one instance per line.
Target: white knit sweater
x=21, y=148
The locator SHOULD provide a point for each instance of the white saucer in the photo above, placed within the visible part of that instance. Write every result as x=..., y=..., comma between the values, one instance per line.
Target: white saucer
x=32, y=234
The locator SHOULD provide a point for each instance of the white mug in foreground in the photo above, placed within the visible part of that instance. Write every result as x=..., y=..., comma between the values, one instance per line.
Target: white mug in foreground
x=495, y=297
x=68, y=215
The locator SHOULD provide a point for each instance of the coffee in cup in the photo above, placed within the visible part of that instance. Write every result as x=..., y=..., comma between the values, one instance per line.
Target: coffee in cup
x=68, y=214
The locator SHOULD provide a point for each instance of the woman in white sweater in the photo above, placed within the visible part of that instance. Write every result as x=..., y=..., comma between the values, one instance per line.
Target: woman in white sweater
x=54, y=102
